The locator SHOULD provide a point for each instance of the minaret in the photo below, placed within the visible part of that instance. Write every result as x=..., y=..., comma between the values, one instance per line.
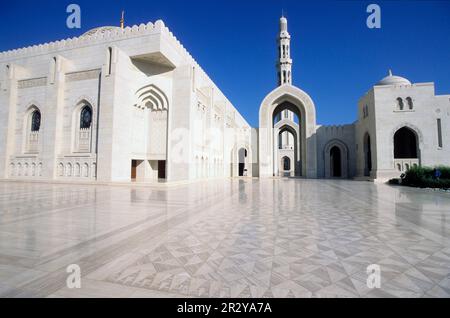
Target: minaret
x=284, y=64
x=122, y=20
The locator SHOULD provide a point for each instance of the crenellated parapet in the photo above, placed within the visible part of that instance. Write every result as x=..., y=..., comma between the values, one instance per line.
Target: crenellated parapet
x=84, y=40
x=98, y=36
x=107, y=35
x=335, y=130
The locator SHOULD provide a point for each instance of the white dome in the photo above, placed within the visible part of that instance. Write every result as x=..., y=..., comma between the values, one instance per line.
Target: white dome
x=393, y=80
x=100, y=30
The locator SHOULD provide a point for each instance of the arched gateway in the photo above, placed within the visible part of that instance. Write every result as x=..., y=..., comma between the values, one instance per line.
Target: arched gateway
x=287, y=97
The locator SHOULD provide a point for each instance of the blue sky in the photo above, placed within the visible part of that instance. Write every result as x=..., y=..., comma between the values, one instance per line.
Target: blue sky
x=336, y=57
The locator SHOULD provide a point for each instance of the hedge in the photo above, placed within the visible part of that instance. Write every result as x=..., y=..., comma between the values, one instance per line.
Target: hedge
x=424, y=177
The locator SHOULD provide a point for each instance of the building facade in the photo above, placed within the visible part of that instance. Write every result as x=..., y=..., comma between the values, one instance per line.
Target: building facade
x=119, y=104
x=113, y=105
x=399, y=125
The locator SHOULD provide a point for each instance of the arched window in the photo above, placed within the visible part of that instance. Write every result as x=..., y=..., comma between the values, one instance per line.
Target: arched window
x=85, y=170
x=366, y=111
x=86, y=117
x=36, y=120
x=110, y=53
x=405, y=144
x=409, y=102
x=400, y=105
x=82, y=127
x=77, y=170
x=60, y=169
x=94, y=170
x=53, y=70
x=32, y=126
x=193, y=78
x=69, y=170
x=12, y=169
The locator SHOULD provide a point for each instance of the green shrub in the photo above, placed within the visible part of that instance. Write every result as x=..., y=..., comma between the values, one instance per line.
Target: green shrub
x=424, y=177
x=415, y=176
x=445, y=172
x=395, y=181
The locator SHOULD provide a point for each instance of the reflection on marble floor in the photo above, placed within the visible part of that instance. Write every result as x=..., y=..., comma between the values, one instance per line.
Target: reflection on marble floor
x=224, y=238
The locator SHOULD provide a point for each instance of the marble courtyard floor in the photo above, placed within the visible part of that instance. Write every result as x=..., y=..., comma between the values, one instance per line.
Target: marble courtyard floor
x=224, y=238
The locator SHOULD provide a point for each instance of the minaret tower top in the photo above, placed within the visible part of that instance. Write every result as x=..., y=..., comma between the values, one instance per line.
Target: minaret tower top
x=284, y=63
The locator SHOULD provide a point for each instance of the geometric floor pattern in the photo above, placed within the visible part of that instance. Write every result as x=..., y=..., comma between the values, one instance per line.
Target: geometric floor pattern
x=224, y=238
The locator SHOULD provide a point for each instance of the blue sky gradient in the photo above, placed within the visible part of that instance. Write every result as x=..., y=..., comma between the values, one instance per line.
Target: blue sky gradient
x=336, y=57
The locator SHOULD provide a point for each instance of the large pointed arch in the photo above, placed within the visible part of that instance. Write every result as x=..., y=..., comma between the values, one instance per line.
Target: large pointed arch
x=407, y=143
x=294, y=99
x=152, y=97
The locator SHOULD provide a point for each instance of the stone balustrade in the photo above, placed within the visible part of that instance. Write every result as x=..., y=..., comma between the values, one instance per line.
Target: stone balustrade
x=403, y=165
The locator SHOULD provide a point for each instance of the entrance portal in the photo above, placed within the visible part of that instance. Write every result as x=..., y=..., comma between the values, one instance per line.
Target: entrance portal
x=336, y=162
x=293, y=99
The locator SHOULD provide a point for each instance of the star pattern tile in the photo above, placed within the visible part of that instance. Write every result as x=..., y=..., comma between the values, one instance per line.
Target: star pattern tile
x=225, y=238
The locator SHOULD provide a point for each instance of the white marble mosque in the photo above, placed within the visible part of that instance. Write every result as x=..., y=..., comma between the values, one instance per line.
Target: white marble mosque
x=81, y=118
x=130, y=103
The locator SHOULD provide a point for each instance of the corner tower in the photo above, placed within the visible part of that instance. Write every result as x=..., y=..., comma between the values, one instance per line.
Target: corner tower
x=284, y=63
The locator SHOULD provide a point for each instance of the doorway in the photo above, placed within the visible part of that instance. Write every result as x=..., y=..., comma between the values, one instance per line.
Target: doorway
x=286, y=164
x=161, y=169
x=336, y=162
x=242, y=160
x=134, y=168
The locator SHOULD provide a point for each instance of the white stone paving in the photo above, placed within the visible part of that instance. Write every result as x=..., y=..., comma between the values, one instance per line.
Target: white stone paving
x=224, y=238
